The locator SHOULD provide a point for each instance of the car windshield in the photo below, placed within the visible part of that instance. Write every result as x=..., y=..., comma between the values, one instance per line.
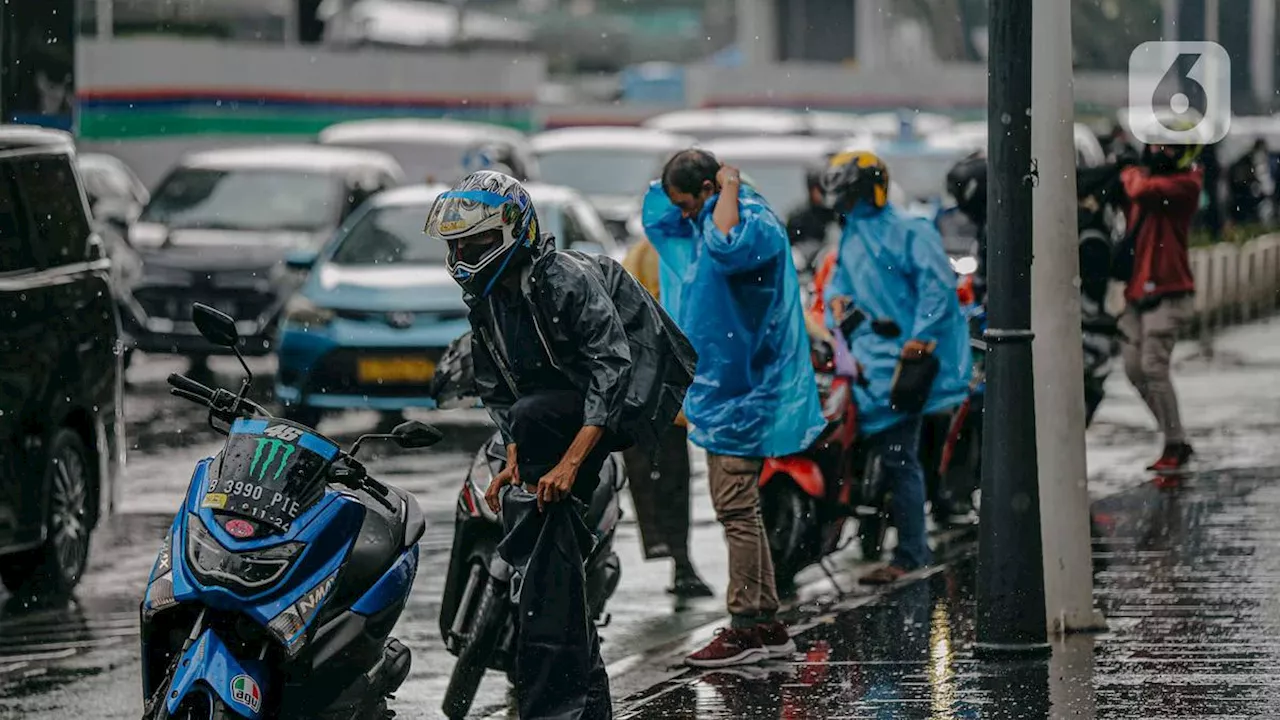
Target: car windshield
x=601, y=171
x=421, y=161
x=246, y=199
x=781, y=182
x=389, y=236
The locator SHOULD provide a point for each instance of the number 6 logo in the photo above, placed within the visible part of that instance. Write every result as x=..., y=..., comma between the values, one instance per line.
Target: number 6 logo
x=1179, y=93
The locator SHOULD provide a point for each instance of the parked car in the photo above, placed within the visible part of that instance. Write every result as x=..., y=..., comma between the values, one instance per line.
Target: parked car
x=378, y=307
x=612, y=166
x=776, y=166
x=972, y=136
x=436, y=150
x=708, y=123
x=115, y=193
x=217, y=230
x=61, y=422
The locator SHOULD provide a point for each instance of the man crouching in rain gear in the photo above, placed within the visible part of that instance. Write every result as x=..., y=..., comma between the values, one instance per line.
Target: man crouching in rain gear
x=893, y=268
x=573, y=359
x=729, y=282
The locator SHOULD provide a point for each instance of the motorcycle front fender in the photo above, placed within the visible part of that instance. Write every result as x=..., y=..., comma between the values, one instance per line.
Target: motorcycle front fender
x=804, y=471
x=209, y=665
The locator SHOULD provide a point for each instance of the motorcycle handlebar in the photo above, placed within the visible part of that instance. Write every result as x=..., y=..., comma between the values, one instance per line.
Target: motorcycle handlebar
x=190, y=387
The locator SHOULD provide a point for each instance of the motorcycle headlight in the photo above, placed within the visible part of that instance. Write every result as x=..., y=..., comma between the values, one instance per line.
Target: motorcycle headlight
x=245, y=571
x=290, y=626
x=301, y=311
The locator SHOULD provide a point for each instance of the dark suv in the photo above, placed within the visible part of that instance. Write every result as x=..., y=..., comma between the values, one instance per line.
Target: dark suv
x=61, y=422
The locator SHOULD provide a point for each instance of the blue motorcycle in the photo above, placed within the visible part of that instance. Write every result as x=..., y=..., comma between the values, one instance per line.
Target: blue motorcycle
x=279, y=581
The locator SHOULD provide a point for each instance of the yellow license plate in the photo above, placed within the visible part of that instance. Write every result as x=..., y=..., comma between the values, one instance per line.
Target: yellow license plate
x=395, y=370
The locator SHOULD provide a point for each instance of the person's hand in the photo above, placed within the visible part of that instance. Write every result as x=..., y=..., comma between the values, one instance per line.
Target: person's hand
x=681, y=420
x=728, y=177
x=555, y=485
x=914, y=350
x=510, y=475
x=493, y=496
x=839, y=306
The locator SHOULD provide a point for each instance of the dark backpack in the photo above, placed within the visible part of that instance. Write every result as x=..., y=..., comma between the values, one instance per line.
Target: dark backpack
x=663, y=361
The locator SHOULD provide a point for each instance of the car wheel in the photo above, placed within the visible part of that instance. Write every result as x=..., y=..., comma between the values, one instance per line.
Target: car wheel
x=308, y=416
x=57, y=566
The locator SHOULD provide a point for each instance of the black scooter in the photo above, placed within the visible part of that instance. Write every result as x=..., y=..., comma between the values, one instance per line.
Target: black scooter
x=477, y=614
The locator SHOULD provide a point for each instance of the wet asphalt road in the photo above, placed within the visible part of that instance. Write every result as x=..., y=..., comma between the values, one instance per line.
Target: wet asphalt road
x=80, y=658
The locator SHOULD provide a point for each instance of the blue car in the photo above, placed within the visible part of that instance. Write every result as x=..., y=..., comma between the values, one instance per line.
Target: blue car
x=378, y=308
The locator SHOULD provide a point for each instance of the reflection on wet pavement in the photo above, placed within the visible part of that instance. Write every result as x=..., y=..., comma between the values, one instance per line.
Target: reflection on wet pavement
x=1186, y=573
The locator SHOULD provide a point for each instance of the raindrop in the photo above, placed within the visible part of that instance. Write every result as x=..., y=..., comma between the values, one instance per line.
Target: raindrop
x=1006, y=118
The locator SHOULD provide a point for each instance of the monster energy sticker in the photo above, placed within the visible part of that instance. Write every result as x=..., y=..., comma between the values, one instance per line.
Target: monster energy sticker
x=262, y=461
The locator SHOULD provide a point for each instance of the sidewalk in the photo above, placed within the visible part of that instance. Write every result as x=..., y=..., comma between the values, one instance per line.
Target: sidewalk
x=1187, y=574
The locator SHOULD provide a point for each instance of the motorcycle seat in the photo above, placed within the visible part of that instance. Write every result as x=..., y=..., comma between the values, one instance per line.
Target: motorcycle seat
x=415, y=523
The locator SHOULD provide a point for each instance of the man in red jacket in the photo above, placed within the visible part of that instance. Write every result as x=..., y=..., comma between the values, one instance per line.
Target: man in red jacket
x=1164, y=193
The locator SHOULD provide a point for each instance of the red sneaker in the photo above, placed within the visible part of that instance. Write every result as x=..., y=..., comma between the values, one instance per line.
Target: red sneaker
x=731, y=646
x=776, y=640
x=1175, y=458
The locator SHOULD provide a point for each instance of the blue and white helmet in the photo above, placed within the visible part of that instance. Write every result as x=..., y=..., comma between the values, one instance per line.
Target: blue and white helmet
x=490, y=225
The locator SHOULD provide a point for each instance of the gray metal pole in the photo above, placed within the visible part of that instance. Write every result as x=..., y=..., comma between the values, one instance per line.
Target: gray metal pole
x=1263, y=53
x=1055, y=315
x=1010, y=593
x=1168, y=20
x=106, y=23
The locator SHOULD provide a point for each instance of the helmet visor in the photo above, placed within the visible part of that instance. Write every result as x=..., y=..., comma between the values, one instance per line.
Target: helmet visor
x=473, y=251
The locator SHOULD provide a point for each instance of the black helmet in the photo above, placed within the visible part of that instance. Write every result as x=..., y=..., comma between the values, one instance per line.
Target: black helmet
x=967, y=183
x=852, y=177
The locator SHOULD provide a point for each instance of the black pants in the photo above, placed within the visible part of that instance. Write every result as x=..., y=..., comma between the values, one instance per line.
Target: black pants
x=559, y=673
x=543, y=425
x=659, y=482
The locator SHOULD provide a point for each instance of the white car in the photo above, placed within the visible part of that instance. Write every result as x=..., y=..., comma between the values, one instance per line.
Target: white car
x=777, y=166
x=433, y=150
x=709, y=123
x=611, y=166
x=969, y=137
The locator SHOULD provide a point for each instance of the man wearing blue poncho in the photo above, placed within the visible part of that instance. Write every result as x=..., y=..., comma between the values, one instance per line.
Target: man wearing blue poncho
x=894, y=269
x=728, y=280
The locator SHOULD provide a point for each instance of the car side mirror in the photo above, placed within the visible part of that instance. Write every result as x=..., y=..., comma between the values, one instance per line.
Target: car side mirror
x=301, y=260
x=414, y=434
x=216, y=327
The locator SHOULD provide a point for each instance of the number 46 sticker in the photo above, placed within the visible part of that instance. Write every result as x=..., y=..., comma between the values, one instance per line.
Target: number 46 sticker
x=283, y=432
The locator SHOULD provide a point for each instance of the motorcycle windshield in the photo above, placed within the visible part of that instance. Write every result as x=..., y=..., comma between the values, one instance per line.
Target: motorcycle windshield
x=270, y=471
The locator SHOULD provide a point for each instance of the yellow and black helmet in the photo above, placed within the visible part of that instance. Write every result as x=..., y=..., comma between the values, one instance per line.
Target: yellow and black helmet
x=853, y=176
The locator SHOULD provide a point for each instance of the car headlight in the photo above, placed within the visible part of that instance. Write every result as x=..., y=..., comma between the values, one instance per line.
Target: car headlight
x=249, y=571
x=290, y=626
x=966, y=265
x=301, y=311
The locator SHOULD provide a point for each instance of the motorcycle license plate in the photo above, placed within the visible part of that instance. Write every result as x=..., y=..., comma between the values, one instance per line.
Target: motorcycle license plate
x=395, y=370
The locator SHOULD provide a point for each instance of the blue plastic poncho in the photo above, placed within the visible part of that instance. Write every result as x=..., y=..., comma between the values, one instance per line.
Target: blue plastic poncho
x=894, y=266
x=737, y=298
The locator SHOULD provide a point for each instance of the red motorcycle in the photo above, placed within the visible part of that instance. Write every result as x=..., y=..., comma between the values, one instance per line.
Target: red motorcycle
x=806, y=498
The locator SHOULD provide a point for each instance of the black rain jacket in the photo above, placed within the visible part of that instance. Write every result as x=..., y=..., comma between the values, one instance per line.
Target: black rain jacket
x=601, y=333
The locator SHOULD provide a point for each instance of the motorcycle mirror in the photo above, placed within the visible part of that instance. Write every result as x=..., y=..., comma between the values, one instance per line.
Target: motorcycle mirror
x=219, y=328
x=886, y=328
x=216, y=327
x=414, y=434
